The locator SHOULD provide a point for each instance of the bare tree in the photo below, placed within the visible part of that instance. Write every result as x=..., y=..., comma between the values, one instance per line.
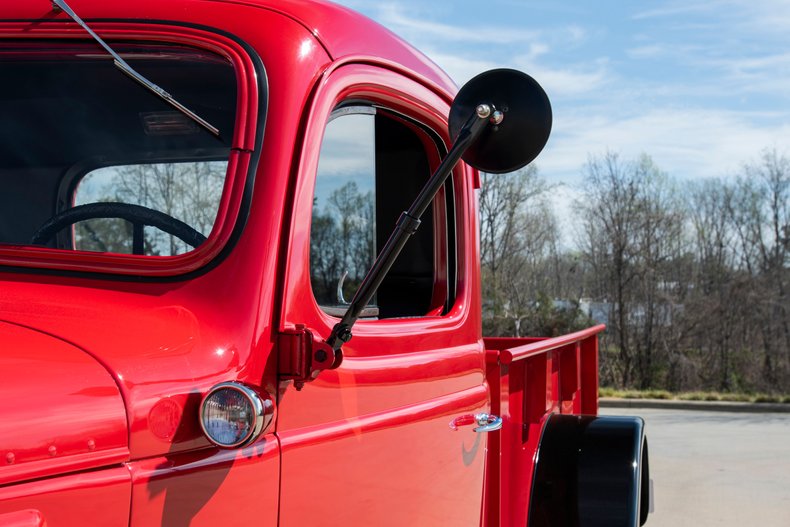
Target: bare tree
x=632, y=233
x=520, y=258
x=609, y=214
x=713, y=313
x=760, y=212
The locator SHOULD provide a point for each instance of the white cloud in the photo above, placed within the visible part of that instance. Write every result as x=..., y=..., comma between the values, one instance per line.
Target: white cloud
x=576, y=33
x=675, y=9
x=567, y=82
x=646, y=52
x=756, y=16
x=766, y=73
x=464, y=51
x=459, y=67
x=683, y=141
x=416, y=28
x=572, y=81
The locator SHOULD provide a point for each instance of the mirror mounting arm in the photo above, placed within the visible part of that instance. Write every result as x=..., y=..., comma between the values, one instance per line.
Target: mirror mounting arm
x=407, y=224
x=521, y=124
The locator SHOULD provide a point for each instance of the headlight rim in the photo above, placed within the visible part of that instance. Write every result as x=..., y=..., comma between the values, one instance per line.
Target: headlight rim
x=259, y=412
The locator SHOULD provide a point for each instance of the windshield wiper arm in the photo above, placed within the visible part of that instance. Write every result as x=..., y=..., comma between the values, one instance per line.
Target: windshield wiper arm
x=126, y=68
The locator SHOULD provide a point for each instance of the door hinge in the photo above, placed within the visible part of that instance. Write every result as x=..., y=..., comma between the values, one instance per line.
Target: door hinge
x=302, y=356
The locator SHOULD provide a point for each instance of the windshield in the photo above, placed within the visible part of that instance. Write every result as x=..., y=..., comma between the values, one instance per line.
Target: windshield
x=75, y=131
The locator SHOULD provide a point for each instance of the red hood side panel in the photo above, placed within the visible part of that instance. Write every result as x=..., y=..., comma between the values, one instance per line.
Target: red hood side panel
x=62, y=411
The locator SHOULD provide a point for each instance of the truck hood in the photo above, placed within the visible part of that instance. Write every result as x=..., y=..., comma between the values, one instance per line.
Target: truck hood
x=61, y=410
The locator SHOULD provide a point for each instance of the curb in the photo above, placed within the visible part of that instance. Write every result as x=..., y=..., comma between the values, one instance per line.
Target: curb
x=702, y=406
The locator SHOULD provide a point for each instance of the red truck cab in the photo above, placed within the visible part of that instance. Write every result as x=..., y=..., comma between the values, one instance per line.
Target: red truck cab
x=174, y=265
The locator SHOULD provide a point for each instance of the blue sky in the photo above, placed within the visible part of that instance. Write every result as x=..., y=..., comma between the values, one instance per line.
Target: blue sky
x=701, y=86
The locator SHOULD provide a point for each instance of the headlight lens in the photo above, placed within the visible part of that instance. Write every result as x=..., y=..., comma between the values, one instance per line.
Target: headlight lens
x=233, y=415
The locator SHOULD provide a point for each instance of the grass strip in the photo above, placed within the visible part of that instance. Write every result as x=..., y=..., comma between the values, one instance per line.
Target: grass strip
x=605, y=391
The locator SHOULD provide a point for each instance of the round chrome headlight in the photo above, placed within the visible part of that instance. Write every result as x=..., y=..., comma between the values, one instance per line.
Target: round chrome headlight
x=233, y=415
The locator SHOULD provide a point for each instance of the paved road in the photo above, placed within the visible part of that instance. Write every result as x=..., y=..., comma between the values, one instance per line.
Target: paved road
x=717, y=468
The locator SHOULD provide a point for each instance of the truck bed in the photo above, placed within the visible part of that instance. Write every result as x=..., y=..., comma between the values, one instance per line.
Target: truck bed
x=531, y=378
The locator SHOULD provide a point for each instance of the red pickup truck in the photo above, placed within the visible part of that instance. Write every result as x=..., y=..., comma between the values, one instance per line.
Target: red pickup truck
x=191, y=191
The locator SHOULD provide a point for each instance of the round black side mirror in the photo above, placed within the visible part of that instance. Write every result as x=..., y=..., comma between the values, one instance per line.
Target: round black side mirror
x=525, y=114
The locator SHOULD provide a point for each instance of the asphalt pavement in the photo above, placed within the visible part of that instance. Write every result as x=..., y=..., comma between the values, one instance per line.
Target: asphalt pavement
x=717, y=468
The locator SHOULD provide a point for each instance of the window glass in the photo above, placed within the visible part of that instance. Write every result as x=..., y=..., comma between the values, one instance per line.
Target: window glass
x=343, y=233
x=189, y=192
x=372, y=165
x=78, y=131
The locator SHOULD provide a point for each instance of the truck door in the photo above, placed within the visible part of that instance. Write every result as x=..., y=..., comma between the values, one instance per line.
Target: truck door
x=371, y=441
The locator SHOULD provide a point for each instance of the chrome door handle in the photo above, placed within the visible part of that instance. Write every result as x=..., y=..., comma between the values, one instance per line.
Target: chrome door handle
x=484, y=422
x=487, y=423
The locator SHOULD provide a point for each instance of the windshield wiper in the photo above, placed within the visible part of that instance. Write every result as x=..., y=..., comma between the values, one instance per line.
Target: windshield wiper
x=124, y=66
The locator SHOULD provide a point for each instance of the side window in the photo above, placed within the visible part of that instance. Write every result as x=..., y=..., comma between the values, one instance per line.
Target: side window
x=372, y=165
